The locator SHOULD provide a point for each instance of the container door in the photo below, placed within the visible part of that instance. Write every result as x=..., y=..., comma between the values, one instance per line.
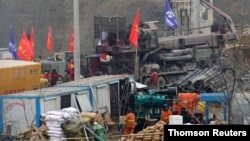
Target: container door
x=103, y=98
x=114, y=97
x=83, y=102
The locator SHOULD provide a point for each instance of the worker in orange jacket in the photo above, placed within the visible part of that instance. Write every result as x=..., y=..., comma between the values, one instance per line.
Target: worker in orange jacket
x=129, y=122
x=165, y=113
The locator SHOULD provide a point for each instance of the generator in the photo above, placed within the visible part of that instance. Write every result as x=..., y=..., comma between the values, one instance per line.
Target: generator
x=148, y=104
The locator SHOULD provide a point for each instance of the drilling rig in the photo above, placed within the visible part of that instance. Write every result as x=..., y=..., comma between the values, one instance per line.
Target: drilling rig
x=173, y=56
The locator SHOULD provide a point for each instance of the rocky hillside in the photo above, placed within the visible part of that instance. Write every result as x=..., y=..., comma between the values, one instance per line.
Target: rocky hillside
x=23, y=14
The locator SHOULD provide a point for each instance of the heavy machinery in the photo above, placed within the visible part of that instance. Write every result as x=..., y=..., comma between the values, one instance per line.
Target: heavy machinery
x=18, y=76
x=148, y=105
x=173, y=56
x=51, y=63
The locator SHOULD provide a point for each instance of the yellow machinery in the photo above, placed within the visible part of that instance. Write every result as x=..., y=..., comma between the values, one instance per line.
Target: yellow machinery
x=17, y=76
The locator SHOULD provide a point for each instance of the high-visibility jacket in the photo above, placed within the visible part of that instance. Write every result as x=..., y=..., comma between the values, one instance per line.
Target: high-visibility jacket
x=70, y=65
x=130, y=120
x=165, y=116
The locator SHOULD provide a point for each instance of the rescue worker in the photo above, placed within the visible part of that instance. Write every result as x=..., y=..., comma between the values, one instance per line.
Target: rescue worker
x=153, y=79
x=129, y=122
x=54, y=77
x=70, y=68
x=165, y=113
x=67, y=76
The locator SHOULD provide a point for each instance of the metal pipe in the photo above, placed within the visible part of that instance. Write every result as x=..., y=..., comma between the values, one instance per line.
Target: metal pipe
x=161, y=57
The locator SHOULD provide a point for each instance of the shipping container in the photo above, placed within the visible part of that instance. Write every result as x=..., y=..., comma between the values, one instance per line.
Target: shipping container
x=21, y=110
x=107, y=91
x=17, y=76
x=97, y=93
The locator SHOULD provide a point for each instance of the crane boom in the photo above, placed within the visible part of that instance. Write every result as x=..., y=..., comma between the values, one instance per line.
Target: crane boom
x=227, y=18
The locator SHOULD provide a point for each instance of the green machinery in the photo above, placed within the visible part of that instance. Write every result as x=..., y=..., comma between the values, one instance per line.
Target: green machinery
x=149, y=105
x=59, y=66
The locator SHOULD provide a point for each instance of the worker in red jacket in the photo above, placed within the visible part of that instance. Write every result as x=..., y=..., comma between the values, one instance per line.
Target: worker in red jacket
x=154, y=79
x=55, y=77
x=129, y=122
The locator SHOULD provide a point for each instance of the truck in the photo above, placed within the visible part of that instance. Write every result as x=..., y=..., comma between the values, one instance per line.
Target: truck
x=173, y=56
x=18, y=76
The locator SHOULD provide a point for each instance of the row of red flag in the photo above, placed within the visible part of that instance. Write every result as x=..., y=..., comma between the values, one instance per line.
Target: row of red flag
x=26, y=48
x=50, y=43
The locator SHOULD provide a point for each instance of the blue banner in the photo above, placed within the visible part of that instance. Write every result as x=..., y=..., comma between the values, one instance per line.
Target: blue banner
x=12, y=45
x=170, y=17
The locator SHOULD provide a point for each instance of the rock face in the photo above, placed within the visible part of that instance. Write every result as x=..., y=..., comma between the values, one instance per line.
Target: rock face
x=59, y=15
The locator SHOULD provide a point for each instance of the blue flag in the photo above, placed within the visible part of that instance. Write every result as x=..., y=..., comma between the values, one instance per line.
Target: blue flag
x=170, y=17
x=12, y=45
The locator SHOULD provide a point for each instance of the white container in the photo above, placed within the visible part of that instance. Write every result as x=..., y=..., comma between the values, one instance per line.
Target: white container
x=175, y=120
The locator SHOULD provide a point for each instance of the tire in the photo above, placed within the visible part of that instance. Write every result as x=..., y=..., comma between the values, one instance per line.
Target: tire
x=161, y=81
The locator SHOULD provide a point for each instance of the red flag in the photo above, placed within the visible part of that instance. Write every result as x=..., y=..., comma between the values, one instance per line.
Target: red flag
x=71, y=42
x=32, y=42
x=49, y=41
x=24, y=51
x=133, y=37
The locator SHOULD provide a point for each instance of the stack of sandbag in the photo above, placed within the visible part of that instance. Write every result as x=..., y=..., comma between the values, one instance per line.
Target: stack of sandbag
x=54, y=120
x=70, y=112
x=151, y=133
